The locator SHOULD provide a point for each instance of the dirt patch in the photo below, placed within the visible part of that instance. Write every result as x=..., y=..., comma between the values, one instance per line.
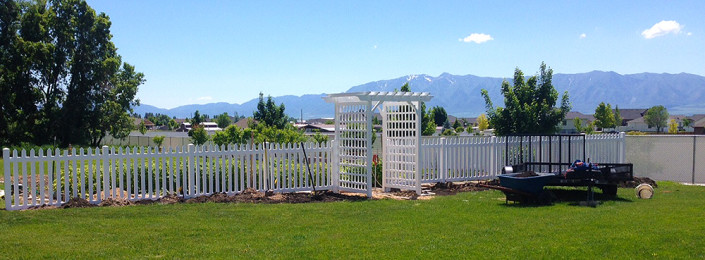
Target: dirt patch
x=77, y=203
x=254, y=196
x=171, y=199
x=110, y=202
x=636, y=181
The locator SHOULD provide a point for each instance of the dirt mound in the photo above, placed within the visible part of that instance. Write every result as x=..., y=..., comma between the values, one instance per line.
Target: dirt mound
x=171, y=199
x=110, y=202
x=636, y=181
x=77, y=203
x=254, y=196
x=410, y=194
x=453, y=188
x=491, y=182
x=42, y=207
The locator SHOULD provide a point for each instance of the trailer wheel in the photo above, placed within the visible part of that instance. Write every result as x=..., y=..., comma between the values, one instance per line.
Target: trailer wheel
x=609, y=190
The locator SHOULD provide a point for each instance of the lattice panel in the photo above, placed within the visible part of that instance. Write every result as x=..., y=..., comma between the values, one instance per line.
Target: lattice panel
x=352, y=128
x=400, y=146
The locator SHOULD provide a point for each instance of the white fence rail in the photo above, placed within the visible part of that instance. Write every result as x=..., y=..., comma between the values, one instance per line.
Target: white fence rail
x=53, y=177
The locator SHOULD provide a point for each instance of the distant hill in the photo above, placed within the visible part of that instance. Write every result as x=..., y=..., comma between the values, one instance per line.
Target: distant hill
x=460, y=95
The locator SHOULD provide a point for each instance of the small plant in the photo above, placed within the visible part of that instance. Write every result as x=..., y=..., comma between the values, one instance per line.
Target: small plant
x=158, y=140
x=198, y=135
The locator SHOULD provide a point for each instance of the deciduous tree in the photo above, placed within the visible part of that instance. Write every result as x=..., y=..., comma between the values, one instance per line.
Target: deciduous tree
x=656, y=116
x=604, y=117
x=529, y=105
x=223, y=120
x=482, y=123
x=673, y=127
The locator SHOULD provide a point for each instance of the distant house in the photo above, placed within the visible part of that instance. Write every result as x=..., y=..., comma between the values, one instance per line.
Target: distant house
x=243, y=123
x=695, y=118
x=699, y=127
x=640, y=124
x=208, y=126
x=311, y=128
x=184, y=127
x=631, y=114
x=147, y=124
x=568, y=124
x=469, y=121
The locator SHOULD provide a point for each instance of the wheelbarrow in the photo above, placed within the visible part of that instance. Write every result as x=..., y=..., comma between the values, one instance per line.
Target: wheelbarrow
x=522, y=188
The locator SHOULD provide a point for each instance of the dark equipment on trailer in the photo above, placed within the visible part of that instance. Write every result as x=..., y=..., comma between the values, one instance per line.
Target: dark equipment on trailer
x=527, y=172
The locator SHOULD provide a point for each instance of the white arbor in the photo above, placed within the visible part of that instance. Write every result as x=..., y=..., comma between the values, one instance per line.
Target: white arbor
x=401, y=137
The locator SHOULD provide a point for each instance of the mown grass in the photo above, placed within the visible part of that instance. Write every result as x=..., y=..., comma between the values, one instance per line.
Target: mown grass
x=467, y=225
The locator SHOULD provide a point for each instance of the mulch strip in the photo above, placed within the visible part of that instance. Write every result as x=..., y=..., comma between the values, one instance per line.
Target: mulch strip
x=254, y=196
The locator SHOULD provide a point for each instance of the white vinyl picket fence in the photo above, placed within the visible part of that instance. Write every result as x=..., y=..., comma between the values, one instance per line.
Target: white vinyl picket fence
x=53, y=177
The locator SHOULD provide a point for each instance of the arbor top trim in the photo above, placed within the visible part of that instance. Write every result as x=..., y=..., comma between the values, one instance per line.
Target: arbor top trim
x=378, y=96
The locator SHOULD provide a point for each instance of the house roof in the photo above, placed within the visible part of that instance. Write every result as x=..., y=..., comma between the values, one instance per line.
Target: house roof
x=470, y=120
x=699, y=123
x=242, y=123
x=137, y=121
x=697, y=117
x=631, y=113
x=321, y=127
x=574, y=114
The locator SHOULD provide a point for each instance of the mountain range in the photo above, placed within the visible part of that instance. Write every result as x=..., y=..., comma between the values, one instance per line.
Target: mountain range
x=460, y=94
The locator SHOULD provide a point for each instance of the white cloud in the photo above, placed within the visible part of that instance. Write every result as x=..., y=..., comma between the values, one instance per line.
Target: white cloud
x=374, y=47
x=582, y=36
x=689, y=33
x=662, y=28
x=206, y=98
x=477, y=38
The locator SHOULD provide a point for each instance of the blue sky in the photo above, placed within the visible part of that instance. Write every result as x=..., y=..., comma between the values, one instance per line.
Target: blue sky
x=229, y=51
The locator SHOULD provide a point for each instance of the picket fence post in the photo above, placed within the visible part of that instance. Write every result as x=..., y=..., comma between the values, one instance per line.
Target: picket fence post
x=191, y=174
x=493, y=155
x=622, y=147
x=6, y=164
x=443, y=172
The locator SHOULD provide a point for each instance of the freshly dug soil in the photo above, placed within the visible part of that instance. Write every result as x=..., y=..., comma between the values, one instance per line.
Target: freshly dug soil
x=526, y=174
x=638, y=180
x=77, y=203
x=171, y=199
x=451, y=188
x=253, y=196
x=406, y=194
x=110, y=202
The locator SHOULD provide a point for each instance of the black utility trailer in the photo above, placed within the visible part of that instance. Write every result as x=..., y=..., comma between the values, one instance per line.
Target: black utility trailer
x=528, y=169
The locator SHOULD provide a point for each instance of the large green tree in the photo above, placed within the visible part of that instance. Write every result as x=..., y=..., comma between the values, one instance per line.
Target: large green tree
x=269, y=113
x=223, y=120
x=617, y=116
x=439, y=115
x=656, y=116
x=529, y=105
x=60, y=75
x=604, y=117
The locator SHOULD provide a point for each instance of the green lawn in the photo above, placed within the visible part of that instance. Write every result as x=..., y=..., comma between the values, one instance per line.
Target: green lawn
x=468, y=225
